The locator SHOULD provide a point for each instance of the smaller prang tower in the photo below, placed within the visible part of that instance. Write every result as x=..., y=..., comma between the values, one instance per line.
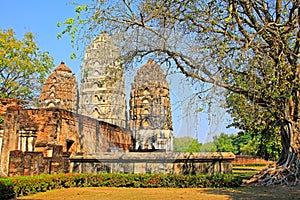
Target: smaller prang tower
x=150, y=109
x=102, y=89
x=60, y=90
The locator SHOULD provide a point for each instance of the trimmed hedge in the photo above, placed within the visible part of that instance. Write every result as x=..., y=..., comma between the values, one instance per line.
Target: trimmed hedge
x=24, y=185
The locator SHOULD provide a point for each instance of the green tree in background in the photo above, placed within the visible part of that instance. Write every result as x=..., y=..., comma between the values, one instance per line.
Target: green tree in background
x=189, y=144
x=208, y=147
x=244, y=143
x=250, y=48
x=186, y=144
x=224, y=143
x=23, y=67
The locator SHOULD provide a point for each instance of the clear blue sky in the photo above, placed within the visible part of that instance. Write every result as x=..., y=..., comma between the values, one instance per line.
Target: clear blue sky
x=41, y=17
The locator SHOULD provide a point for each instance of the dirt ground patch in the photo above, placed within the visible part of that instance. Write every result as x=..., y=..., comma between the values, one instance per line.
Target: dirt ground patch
x=260, y=193
x=126, y=193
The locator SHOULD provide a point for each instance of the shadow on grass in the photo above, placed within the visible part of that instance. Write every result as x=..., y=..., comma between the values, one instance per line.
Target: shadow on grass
x=260, y=192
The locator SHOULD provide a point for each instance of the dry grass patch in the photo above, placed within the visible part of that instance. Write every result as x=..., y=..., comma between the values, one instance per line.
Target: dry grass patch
x=257, y=193
x=128, y=193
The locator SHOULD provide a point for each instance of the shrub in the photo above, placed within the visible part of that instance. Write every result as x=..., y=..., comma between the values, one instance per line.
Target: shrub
x=24, y=185
x=6, y=190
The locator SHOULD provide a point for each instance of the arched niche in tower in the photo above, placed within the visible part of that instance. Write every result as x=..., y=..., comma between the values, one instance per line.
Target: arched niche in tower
x=96, y=85
x=146, y=91
x=97, y=63
x=96, y=113
x=96, y=73
x=51, y=105
x=52, y=88
x=97, y=99
x=52, y=95
x=145, y=101
x=146, y=112
x=145, y=123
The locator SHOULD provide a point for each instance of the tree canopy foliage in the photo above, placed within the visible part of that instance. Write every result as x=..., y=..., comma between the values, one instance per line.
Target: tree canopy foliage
x=239, y=144
x=250, y=48
x=224, y=143
x=23, y=67
x=186, y=144
x=244, y=143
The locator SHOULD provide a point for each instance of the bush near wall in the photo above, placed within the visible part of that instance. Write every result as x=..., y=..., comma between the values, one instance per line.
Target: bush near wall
x=6, y=191
x=24, y=185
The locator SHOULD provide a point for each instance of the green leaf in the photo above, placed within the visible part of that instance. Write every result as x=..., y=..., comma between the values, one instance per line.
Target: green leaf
x=73, y=56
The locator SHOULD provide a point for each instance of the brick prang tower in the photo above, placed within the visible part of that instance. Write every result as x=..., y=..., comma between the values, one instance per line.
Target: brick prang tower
x=150, y=109
x=102, y=89
x=60, y=90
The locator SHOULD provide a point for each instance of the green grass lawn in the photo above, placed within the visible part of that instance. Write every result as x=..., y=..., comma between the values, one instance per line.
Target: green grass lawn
x=246, y=171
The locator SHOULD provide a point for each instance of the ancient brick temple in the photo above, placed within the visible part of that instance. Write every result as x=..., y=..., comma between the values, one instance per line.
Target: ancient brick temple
x=89, y=132
x=150, y=109
x=41, y=140
x=102, y=89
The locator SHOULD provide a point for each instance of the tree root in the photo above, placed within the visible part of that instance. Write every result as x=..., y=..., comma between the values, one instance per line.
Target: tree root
x=277, y=175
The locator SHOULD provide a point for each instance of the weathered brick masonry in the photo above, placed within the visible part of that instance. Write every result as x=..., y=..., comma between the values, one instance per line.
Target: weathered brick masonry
x=45, y=130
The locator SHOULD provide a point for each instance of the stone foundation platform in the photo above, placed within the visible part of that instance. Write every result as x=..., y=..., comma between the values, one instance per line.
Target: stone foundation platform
x=153, y=163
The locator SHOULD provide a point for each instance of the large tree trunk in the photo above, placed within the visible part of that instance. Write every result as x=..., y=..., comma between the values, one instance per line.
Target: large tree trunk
x=287, y=168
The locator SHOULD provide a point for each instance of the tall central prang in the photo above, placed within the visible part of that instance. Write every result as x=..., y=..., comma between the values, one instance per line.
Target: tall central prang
x=102, y=89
